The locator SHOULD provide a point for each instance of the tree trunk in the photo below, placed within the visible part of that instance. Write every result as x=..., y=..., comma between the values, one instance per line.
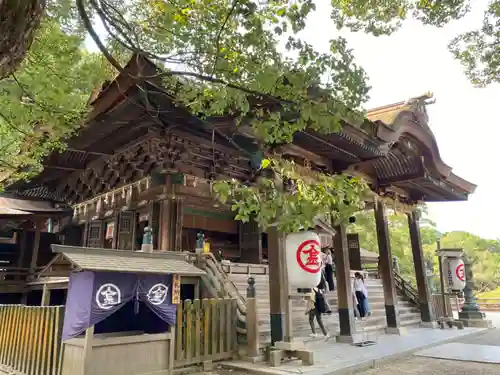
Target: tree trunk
x=19, y=20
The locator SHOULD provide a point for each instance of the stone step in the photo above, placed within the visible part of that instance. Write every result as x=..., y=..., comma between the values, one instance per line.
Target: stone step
x=408, y=313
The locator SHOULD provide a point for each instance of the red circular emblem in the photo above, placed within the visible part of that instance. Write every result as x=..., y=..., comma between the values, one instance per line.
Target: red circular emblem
x=309, y=256
x=460, y=272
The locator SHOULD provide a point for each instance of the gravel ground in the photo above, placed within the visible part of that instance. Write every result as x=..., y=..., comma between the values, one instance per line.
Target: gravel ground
x=429, y=366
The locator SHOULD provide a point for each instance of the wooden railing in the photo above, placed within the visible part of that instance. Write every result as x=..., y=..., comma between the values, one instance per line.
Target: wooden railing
x=13, y=274
x=206, y=331
x=224, y=287
x=245, y=268
x=406, y=289
x=486, y=304
x=30, y=339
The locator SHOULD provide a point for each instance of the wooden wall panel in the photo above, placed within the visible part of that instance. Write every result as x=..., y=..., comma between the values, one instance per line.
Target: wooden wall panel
x=209, y=223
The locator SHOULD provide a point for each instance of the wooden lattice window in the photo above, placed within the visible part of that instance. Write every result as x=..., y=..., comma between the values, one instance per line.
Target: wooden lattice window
x=125, y=224
x=353, y=241
x=94, y=238
x=126, y=228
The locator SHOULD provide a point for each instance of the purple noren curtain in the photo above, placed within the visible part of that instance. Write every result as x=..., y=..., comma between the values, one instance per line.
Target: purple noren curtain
x=93, y=296
x=77, y=312
x=156, y=292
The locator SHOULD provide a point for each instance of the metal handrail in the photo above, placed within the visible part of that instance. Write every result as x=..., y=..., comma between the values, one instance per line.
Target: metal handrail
x=405, y=288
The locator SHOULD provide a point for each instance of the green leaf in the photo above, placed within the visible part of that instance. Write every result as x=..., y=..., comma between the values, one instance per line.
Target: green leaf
x=265, y=163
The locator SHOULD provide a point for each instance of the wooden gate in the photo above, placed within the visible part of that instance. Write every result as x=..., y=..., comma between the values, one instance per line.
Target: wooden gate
x=206, y=331
x=30, y=339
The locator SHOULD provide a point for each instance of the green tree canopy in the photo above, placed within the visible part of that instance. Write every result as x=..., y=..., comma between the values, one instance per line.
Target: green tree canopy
x=483, y=252
x=219, y=57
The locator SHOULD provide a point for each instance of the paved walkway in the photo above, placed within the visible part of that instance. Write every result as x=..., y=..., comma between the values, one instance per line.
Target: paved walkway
x=335, y=358
x=469, y=363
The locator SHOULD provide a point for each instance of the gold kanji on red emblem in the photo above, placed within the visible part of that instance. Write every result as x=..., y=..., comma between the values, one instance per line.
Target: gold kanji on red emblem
x=310, y=251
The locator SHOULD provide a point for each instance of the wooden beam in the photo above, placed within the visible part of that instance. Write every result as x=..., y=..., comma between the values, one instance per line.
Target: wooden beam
x=63, y=168
x=400, y=179
x=292, y=149
x=331, y=145
x=88, y=152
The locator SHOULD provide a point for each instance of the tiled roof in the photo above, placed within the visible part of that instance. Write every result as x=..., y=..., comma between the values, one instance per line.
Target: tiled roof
x=93, y=259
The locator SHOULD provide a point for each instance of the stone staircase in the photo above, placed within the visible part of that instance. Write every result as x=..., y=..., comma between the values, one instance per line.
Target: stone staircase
x=238, y=274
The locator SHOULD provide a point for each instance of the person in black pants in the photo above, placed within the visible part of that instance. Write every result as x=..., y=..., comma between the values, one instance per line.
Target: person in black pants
x=316, y=306
x=359, y=289
x=329, y=270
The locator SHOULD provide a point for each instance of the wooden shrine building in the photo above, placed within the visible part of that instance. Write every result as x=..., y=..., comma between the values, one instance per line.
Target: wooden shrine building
x=140, y=161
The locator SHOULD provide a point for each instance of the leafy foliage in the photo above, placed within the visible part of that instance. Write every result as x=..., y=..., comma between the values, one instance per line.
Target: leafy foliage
x=46, y=99
x=484, y=253
x=220, y=58
x=294, y=197
x=479, y=50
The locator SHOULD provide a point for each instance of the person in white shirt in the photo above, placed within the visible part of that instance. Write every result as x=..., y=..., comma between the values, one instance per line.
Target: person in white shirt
x=329, y=270
x=360, y=290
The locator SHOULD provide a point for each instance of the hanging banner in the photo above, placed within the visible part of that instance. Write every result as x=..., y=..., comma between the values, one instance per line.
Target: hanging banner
x=176, y=289
x=93, y=296
x=456, y=274
x=156, y=292
x=303, y=259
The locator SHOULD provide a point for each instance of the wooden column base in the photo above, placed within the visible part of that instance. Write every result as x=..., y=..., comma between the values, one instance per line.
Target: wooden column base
x=396, y=331
x=391, y=316
x=277, y=327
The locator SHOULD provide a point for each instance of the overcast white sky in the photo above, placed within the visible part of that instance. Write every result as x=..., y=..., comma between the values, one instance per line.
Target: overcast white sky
x=464, y=119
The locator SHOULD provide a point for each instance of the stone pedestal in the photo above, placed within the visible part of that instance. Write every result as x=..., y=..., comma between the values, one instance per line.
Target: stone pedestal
x=396, y=331
x=290, y=349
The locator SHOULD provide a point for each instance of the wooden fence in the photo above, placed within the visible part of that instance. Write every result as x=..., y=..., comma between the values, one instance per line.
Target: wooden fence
x=30, y=336
x=437, y=304
x=206, y=331
x=487, y=304
x=30, y=339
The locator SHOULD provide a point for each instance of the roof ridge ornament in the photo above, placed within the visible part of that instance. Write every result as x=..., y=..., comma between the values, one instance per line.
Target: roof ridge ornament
x=418, y=105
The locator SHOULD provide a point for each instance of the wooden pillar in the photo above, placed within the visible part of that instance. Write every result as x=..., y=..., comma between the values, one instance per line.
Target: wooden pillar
x=179, y=223
x=45, y=296
x=154, y=222
x=250, y=242
x=165, y=229
x=385, y=255
x=36, y=247
x=252, y=315
x=277, y=284
x=87, y=351
x=344, y=290
x=424, y=298
x=23, y=243
x=174, y=222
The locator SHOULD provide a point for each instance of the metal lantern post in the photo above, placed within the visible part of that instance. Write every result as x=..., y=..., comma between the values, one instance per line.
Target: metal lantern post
x=471, y=315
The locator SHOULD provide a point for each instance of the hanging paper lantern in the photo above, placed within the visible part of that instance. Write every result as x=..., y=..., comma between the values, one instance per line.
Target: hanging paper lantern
x=303, y=259
x=455, y=272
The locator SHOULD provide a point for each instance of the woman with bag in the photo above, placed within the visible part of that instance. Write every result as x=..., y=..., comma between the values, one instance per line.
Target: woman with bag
x=316, y=305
